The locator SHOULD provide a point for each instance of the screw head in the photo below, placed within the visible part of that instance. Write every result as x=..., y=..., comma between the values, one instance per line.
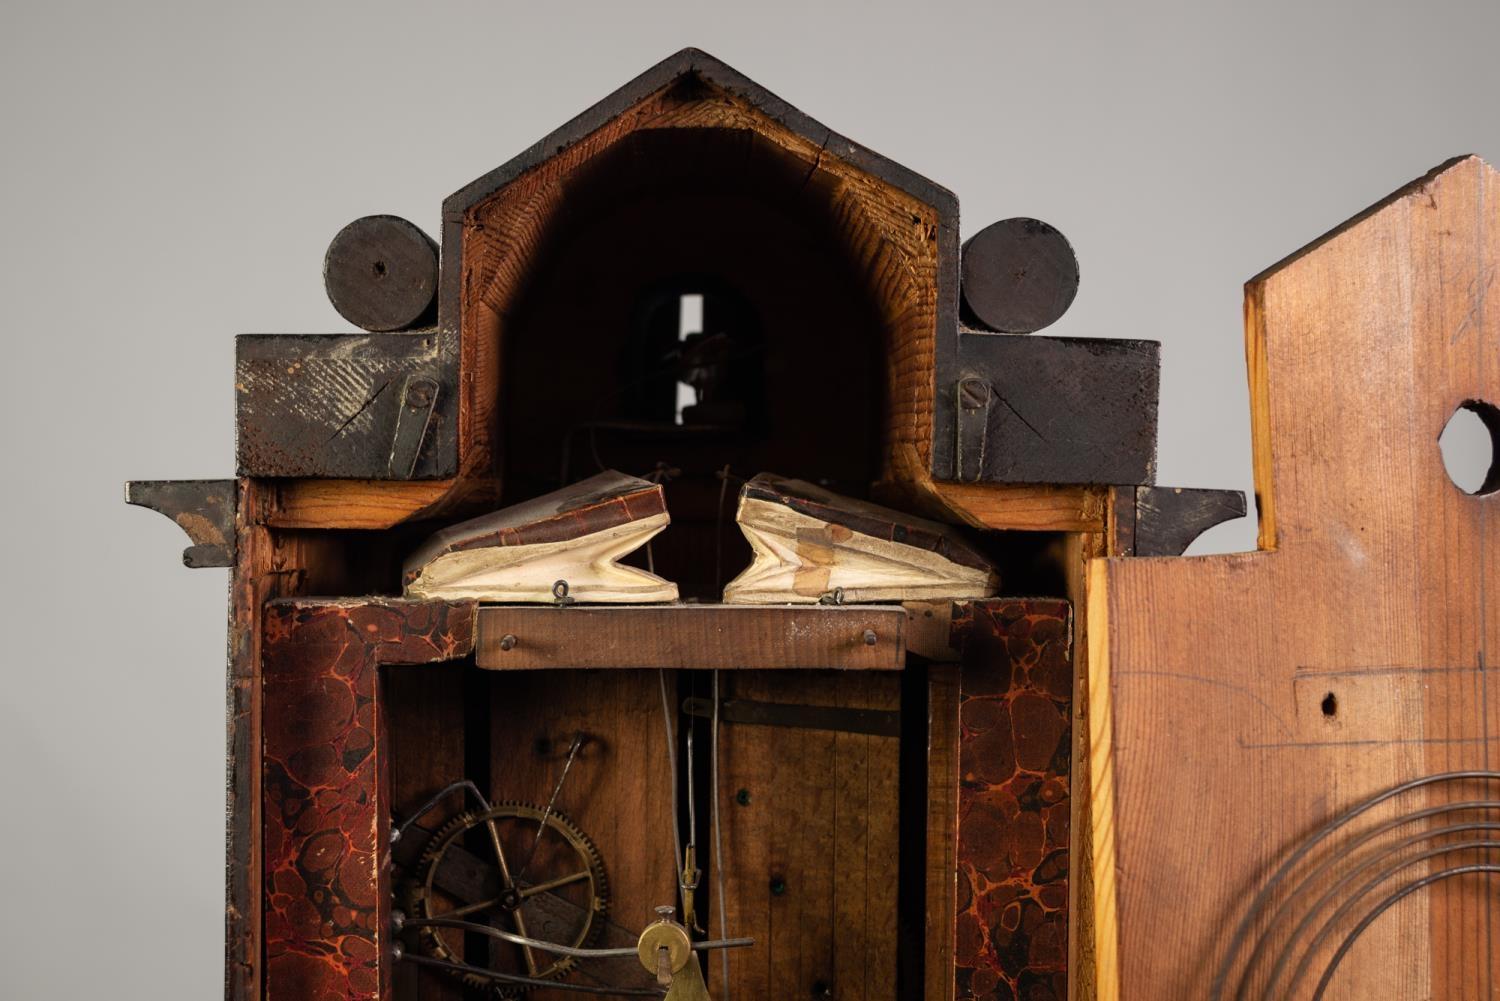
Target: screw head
x=419, y=394
x=973, y=393
x=742, y=797
x=870, y=637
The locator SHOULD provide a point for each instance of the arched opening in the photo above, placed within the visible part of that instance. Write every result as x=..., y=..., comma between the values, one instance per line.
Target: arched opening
x=694, y=300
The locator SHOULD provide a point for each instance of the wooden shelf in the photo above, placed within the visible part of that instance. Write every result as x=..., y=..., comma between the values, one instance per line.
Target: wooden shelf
x=686, y=636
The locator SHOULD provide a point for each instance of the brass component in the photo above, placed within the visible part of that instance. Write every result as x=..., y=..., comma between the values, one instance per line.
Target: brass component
x=688, y=984
x=576, y=865
x=688, y=881
x=666, y=951
x=669, y=935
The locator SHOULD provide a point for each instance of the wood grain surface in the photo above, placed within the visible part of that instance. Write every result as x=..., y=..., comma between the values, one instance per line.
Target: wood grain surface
x=810, y=837
x=618, y=790
x=1241, y=702
x=850, y=637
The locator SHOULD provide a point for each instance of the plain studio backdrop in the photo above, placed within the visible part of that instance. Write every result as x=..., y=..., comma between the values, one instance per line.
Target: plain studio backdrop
x=173, y=173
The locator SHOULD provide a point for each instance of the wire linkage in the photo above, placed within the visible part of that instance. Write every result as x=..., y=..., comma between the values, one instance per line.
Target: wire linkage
x=1347, y=849
x=1385, y=905
x=1237, y=940
x=1348, y=878
x=399, y=832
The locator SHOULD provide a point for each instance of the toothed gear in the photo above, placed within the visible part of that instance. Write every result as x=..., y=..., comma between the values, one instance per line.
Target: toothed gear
x=591, y=866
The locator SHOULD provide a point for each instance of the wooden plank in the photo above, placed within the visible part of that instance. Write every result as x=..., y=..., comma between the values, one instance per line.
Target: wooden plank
x=425, y=721
x=1021, y=507
x=942, y=830
x=1350, y=658
x=1117, y=538
x=374, y=505
x=810, y=828
x=327, y=404
x=692, y=636
x=618, y=790
x=1035, y=409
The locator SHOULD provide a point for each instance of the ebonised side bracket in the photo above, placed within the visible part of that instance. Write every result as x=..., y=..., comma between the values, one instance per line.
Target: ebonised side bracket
x=204, y=509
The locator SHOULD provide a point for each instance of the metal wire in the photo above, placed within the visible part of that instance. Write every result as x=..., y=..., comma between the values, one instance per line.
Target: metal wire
x=723, y=475
x=516, y=978
x=438, y=797
x=692, y=799
x=1333, y=920
x=556, y=948
x=1312, y=877
x=666, y=716
x=1237, y=940
x=1381, y=908
x=578, y=741
x=718, y=837
x=559, y=949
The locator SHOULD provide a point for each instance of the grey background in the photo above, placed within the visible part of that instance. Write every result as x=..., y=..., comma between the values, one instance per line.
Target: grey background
x=172, y=173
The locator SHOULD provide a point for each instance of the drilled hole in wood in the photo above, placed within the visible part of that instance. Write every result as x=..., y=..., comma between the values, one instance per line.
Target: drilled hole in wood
x=1330, y=705
x=1470, y=443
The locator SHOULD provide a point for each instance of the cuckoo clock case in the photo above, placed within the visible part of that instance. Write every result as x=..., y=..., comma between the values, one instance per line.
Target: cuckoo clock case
x=670, y=591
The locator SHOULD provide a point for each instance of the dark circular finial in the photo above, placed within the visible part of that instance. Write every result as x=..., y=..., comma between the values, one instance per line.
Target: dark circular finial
x=1019, y=275
x=381, y=273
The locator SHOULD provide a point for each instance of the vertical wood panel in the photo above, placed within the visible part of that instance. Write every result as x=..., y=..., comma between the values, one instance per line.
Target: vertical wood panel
x=618, y=791
x=942, y=831
x=1215, y=672
x=425, y=725
x=820, y=827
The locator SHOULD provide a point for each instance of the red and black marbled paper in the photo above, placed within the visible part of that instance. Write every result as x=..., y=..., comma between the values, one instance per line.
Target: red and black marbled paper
x=1015, y=751
x=325, y=822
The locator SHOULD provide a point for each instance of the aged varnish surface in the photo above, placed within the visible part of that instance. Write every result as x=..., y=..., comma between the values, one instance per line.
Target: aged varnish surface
x=1015, y=728
x=327, y=909
x=1241, y=705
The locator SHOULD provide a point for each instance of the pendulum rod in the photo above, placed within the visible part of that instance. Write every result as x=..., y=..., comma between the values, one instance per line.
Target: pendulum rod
x=666, y=716
x=718, y=838
x=688, y=878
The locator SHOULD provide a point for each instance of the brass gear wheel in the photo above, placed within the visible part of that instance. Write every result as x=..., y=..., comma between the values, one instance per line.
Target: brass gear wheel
x=563, y=864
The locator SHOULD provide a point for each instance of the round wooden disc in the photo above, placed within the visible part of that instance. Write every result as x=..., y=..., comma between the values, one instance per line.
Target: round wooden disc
x=1019, y=275
x=381, y=273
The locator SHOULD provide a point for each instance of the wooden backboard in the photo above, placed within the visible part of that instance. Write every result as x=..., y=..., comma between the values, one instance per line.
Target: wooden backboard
x=1244, y=707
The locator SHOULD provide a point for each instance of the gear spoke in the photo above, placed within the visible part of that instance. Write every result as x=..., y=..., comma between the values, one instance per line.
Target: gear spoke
x=515, y=916
x=552, y=884
x=575, y=921
x=467, y=909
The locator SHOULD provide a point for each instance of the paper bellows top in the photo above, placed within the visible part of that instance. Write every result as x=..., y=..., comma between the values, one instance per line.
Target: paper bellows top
x=809, y=543
x=576, y=535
